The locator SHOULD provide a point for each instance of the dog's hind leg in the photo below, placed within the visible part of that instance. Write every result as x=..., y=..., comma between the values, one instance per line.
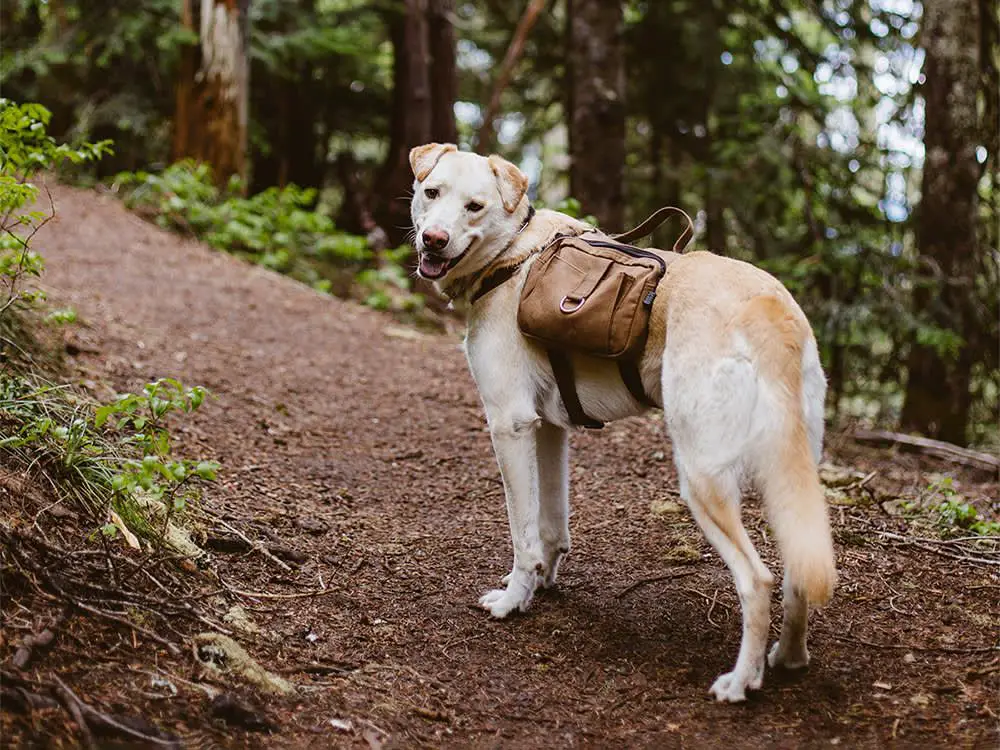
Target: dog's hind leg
x=790, y=651
x=715, y=504
x=553, y=498
x=515, y=441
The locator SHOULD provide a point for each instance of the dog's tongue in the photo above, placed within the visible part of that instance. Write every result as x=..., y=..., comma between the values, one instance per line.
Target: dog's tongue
x=431, y=267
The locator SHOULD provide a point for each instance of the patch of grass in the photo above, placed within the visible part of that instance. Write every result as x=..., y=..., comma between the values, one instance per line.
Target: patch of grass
x=103, y=458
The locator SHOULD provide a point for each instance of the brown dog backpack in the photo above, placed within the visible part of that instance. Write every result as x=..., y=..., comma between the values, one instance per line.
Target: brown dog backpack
x=593, y=293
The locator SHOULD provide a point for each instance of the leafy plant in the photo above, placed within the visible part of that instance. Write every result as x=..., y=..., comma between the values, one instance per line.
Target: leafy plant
x=955, y=513
x=276, y=228
x=102, y=458
x=25, y=149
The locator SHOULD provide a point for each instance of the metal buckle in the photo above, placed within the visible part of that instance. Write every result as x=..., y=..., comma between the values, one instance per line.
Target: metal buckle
x=579, y=303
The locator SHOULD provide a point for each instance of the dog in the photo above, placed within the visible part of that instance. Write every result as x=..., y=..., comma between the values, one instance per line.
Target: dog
x=730, y=357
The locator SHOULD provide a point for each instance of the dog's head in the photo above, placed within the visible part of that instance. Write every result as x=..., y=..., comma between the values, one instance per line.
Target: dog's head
x=464, y=208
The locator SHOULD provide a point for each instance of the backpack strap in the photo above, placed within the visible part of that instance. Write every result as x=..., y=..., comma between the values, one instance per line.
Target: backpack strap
x=647, y=227
x=628, y=369
x=562, y=368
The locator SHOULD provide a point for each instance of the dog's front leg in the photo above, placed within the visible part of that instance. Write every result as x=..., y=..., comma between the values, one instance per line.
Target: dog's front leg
x=515, y=442
x=553, y=511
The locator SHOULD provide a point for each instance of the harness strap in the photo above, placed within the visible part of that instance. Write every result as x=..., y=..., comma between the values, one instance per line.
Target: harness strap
x=647, y=227
x=496, y=278
x=628, y=368
x=562, y=368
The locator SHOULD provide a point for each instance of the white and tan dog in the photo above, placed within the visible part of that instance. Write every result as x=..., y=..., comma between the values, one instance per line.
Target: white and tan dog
x=730, y=357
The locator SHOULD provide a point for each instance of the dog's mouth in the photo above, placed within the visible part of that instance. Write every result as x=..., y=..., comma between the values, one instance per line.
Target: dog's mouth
x=433, y=266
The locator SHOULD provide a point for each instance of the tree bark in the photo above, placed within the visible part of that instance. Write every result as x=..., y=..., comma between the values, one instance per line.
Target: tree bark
x=596, y=110
x=411, y=120
x=444, y=80
x=938, y=398
x=212, y=102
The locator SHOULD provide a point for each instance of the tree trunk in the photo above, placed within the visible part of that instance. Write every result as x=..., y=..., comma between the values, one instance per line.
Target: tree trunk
x=444, y=80
x=938, y=397
x=596, y=109
x=212, y=100
x=413, y=114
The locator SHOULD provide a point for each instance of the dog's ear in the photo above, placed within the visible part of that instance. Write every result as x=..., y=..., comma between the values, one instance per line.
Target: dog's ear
x=513, y=183
x=424, y=158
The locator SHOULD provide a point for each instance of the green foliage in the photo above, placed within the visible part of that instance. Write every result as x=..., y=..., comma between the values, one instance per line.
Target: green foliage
x=956, y=515
x=276, y=228
x=389, y=287
x=47, y=426
x=103, y=457
x=25, y=149
x=138, y=420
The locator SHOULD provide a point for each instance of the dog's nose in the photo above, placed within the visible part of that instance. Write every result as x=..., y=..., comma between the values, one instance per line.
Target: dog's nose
x=435, y=239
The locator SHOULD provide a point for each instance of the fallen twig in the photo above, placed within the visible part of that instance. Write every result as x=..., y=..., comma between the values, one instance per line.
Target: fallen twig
x=935, y=546
x=266, y=595
x=909, y=647
x=948, y=451
x=73, y=705
x=258, y=546
x=170, y=645
x=103, y=718
x=654, y=579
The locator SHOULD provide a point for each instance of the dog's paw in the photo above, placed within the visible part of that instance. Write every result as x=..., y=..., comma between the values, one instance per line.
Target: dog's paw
x=788, y=657
x=732, y=686
x=501, y=602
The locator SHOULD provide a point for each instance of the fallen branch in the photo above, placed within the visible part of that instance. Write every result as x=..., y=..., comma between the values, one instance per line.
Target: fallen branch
x=910, y=647
x=258, y=546
x=936, y=547
x=77, y=708
x=654, y=579
x=938, y=448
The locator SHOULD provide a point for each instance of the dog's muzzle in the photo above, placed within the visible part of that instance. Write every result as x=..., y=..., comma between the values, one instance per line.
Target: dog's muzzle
x=433, y=266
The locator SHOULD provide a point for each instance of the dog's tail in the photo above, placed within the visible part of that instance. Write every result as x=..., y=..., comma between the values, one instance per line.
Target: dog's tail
x=786, y=459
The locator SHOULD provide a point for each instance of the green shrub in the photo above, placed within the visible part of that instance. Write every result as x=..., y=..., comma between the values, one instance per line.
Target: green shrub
x=276, y=228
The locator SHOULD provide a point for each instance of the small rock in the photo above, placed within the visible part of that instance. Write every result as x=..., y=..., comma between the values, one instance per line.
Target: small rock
x=838, y=476
x=239, y=619
x=238, y=712
x=311, y=525
x=342, y=725
x=665, y=508
x=909, y=658
x=881, y=685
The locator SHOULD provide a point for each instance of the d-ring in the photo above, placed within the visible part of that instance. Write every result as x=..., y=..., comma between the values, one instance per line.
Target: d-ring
x=579, y=303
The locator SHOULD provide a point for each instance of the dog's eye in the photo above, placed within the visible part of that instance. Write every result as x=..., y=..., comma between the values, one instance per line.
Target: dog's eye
x=431, y=193
x=473, y=207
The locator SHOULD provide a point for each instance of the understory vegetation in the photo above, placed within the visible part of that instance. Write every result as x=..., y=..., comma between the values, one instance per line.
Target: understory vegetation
x=280, y=228
x=112, y=463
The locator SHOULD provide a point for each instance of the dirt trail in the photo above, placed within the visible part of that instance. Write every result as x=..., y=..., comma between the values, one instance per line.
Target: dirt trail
x=361, y=445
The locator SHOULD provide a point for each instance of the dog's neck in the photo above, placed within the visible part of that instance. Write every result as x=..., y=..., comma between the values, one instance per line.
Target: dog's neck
x=515, y=248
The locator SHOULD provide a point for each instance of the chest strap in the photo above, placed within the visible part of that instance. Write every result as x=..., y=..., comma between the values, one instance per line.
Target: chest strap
x=562, y=369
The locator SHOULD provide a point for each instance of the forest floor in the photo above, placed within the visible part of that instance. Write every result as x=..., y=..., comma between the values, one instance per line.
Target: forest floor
x=357, y=447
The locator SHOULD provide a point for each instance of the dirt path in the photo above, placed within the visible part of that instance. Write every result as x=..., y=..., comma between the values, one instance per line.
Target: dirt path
x=362, y=446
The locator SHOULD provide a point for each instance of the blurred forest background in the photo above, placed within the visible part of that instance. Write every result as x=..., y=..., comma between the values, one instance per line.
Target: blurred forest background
x=848, y=146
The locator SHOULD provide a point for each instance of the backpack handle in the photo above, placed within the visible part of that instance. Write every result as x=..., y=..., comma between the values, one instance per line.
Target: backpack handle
x=659, y=216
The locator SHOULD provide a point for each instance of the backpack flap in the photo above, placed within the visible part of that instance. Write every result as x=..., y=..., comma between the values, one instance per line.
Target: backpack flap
x=586, y=294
